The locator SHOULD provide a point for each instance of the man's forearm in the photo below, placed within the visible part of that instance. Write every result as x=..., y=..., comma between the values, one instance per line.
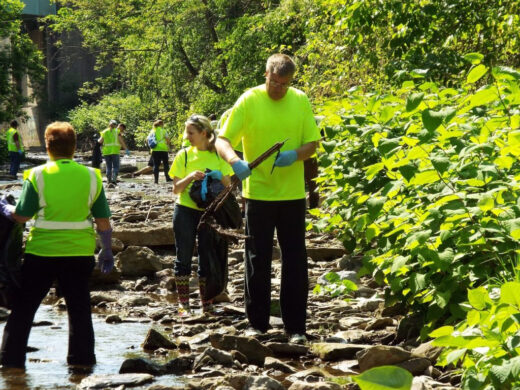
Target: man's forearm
x=225, y=150
x=307, y=150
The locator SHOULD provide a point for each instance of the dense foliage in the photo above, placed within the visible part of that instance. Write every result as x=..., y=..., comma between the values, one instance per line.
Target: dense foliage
x=423, y=182
x=19, y=58
x=487, y=343
x=177, y=57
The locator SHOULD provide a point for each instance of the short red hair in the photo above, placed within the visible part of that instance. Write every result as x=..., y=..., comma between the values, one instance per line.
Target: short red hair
x=60, y=139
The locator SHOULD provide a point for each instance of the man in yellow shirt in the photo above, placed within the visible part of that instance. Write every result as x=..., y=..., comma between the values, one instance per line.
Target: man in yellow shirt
x=275, y=198
x=14, y=148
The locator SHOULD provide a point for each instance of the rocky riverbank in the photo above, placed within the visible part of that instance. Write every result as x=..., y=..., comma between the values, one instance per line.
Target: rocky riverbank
x=345, y=336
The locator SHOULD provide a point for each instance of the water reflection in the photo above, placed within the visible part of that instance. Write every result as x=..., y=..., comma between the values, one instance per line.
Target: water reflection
x=46, y=368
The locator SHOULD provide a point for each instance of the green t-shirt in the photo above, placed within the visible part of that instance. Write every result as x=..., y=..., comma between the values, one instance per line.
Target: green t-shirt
x=259, y=122
x=195, y=160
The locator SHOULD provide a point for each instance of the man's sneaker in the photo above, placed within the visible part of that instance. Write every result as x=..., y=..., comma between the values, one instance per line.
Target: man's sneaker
x=184, y=310
x=297, y=338
x=252, y=332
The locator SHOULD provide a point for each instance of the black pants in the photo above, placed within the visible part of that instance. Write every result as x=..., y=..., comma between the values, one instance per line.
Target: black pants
x=288, y=218
x=159, y=156
x=38, y=274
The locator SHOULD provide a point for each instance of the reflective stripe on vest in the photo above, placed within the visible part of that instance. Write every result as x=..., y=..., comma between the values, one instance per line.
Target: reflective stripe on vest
x=42, y=223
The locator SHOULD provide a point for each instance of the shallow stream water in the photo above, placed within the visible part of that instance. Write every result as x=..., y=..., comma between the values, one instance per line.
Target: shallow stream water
x=47, y=367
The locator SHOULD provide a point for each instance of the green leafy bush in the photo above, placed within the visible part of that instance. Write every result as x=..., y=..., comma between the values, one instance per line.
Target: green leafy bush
x=335, y=287
x=487, y=343
x=3, y=148
x=423, y=181
x=89, y=120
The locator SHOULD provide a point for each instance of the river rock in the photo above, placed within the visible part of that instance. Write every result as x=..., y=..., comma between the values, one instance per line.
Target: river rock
x=141, y=366
x=113, y=319
x=379, y=323
x=415, y=366
x=98, y=278
x=179, y=365
x=254, y=351
x=286, y=349
x=275, y=364
x=104, y=381
x=117, y=244
x=138, y=261
x=428, y=351
x=381, y=355
x=301, y=385
x=217, y=357
x=336, y=351
x=145, y=234
x=427, y=383
x=262, y=383
x=155, y=340
x=325, y=254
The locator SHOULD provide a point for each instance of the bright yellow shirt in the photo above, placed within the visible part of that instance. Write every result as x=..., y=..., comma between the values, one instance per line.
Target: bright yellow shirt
x=259, y=122
x=191, y=159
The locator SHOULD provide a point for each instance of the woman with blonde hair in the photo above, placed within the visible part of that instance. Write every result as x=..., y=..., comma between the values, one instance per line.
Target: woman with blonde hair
x=190, y=164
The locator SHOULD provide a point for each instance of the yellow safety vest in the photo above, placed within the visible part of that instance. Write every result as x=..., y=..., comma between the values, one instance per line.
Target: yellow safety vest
x=11, y=145
x=160, y=136
x=63, y=225
x=111, y=143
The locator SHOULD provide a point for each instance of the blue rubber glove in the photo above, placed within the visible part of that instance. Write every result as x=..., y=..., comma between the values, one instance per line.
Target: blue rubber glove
x=105, y=257
x=20, y=152
x=127, y=152
x=216, y=174
x=286, y=158
x=204, y=188
x=6, y=209
x=241, y=169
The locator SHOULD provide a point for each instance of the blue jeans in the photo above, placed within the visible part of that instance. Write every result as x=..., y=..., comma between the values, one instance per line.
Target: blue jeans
x=15, y=159
x=112, y=163
x=185, y=221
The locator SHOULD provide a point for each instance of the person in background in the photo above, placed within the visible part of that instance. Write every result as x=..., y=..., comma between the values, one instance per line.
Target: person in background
x=274, y=191
x=14, y=147
x=189, y=165
x=112, y=140
x=160, y=151
x=64, y=198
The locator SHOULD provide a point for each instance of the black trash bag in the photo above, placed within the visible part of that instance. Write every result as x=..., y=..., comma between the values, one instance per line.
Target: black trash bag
x=11, y=252
x=217, y=277
x=97, y=157
x=229, y=215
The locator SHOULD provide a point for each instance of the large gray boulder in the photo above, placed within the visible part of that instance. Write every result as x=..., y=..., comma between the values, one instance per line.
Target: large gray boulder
x=138, y=261
x=145, y=234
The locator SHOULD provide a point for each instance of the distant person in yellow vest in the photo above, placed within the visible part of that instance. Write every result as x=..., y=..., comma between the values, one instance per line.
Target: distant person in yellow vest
x=14, y=148
x=64, y=198
x=112, y=140
x=274, y=191
x=160, y=151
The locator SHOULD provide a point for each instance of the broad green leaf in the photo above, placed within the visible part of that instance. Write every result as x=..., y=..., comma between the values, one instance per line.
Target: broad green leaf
x=413, y=101
x=387, y=146
x=510, y=294
x=483, y=96
x=441, y=164
x=478, y=298
x=384, y=378
x=374, y=206
x=454, y=356
x=408, y=171
x=431, y=119
x=476, y=73
x=474, y=58
x=372, y=170
x=418, y=73
x=504, y=72
x=426, y=177
x=486, y=203
x=500, y=373
x=442, y=331
x=329, y=146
